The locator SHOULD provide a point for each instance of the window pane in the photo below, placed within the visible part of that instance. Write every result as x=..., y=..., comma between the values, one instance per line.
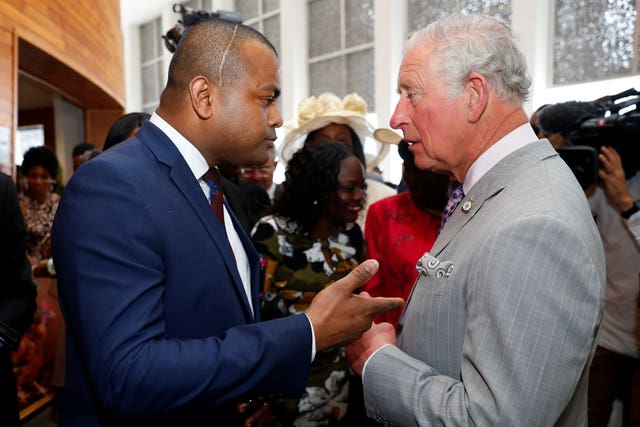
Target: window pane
x=422, y=12
x=269, y=5
x=593, y=40
x=148, y=43
x=158, y=38
x=150, y=79
x=324, y=27
x=359, y=22
x=328, y=76
x=248, y=8
x=191, y=4
x=500, y=9
x=27, y=137
x=360, y=76
x=272, y=30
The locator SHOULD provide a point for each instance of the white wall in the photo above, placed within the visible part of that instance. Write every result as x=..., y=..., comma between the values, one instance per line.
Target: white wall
x=69, y=130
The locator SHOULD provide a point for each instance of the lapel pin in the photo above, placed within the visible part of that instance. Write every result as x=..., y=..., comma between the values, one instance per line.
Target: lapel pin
x=466, y=206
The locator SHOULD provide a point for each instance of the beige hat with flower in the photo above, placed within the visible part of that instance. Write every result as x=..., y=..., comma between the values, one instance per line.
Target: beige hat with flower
x=315, y=113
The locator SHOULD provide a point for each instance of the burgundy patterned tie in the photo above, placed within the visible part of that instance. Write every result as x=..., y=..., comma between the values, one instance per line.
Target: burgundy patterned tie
x=454, y=200
x=212, y=178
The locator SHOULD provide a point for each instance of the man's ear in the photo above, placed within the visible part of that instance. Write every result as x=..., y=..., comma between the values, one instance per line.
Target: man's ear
x=202, y=94
x=478, y=97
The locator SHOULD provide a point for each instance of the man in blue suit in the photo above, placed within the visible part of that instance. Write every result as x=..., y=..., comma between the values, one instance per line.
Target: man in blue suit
x=160, y=297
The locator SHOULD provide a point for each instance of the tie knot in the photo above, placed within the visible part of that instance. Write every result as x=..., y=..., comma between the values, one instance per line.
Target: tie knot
x=458, y=194
x=212, y=175
x=213, y=180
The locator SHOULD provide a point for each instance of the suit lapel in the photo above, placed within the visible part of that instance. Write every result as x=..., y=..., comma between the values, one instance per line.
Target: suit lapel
x=488, y=187
x=166, y=152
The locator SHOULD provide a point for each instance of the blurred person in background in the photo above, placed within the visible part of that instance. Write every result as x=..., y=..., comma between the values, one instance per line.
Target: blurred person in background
x=262, y=175
x=17, y=295
x=401, y=228
x=124, y=127
x=615, y=369
x=39, y=205
x=77, y=154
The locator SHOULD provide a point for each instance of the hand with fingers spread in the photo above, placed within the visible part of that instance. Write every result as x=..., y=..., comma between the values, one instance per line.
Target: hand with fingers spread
x=339, y=316
x=613, y=179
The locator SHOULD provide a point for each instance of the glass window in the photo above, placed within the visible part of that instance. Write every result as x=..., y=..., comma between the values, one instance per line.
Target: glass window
x=421, y=12
x=359, y=22
x=324, y=27
x=341, y=34
x=27, y=137
x=264, y=16
x=595, y=40
x=151, y=64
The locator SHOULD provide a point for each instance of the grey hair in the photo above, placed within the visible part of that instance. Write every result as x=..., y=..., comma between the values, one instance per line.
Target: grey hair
x=475, y=44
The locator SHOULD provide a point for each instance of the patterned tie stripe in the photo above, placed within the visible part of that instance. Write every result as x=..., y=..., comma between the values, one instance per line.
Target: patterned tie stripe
x=454, y=201
x=212, y=178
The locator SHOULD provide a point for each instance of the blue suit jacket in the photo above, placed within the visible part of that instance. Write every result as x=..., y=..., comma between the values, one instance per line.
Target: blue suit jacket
x=158, y=323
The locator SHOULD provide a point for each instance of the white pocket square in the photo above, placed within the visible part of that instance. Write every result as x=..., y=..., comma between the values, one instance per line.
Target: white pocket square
x=431, y=266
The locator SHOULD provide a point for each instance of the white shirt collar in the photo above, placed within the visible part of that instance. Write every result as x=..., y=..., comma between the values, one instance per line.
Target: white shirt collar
x=514, y=140
x=195, y=160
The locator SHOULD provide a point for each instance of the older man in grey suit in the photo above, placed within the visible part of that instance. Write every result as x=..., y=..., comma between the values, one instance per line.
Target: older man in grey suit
x=502, y=322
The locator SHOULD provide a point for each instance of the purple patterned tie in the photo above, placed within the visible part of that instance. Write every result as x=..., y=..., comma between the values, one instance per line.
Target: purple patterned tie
x=454, y=200
x=212, y=178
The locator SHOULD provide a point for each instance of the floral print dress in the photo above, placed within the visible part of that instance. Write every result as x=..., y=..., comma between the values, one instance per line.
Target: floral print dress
x=38, y=219
x=297, y=268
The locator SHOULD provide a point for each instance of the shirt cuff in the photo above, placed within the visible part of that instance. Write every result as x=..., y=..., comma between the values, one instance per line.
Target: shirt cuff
x=313, y=339
x=364, y=368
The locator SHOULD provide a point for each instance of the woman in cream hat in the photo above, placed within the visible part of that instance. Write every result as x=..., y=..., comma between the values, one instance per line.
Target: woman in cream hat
x=329, y=118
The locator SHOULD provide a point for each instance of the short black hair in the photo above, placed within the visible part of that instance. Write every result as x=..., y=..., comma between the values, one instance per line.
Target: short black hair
x=40, y=156
x=357, y=148
x=311, y=182
x=80, y=148
x=211, y=48
x=123, y=126
x=562, y=117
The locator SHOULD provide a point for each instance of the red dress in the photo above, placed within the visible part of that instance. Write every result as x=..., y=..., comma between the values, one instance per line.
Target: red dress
x=397, y=234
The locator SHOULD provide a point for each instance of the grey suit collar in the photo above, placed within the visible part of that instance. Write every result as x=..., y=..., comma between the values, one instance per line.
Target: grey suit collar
x=491, y=184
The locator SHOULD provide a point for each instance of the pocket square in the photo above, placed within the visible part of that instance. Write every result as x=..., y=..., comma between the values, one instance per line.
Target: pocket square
x=431, y=266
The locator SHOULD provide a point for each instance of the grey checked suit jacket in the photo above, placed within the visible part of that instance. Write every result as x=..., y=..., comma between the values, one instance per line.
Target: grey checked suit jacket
x=502, y=322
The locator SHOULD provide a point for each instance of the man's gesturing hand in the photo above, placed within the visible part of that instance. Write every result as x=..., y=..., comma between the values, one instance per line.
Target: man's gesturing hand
x=338, y=316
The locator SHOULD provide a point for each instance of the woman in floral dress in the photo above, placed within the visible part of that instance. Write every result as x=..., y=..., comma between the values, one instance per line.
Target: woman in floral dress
x=39, y=204
x=310, y=241
x=33, y=361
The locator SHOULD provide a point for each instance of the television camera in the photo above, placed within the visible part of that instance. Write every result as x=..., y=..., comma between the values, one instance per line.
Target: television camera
x=191, y=17
x=586, y=126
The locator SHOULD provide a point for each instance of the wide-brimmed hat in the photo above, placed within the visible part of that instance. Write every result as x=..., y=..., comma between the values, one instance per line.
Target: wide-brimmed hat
x=387, y=136
x=315, y=113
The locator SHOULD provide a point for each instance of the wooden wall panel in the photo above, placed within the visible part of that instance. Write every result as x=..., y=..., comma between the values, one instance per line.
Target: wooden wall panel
x=84, y=35
x=74, y=47
x=7, y=98
x=98, y=123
